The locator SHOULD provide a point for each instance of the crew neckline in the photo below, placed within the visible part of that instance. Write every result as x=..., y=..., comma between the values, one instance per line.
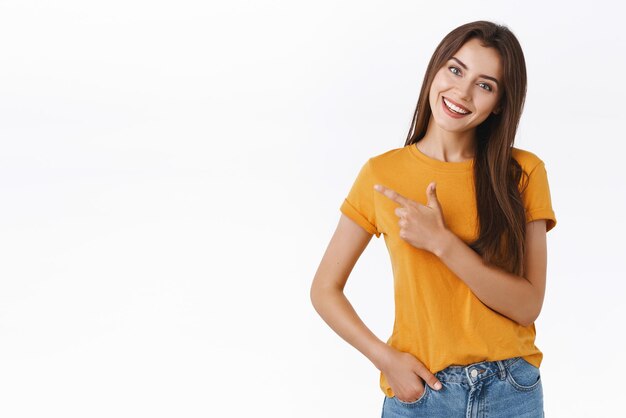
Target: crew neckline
x=438, y=164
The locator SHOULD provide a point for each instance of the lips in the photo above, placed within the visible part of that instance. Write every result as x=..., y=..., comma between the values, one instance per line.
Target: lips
x=455, y=108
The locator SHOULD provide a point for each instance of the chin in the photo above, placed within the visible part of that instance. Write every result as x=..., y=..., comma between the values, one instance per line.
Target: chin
x=450, y=126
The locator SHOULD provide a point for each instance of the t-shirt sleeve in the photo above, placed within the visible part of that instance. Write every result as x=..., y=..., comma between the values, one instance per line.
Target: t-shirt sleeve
x=536, y=197
x=359, y=203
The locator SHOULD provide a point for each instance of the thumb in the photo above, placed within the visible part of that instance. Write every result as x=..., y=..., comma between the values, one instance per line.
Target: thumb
x=429, y=378
x=432, y=381
x=431, y=195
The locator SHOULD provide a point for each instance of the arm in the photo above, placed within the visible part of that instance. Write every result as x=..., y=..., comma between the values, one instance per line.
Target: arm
x=518, y=298
x=403, y=371
x=344, y=249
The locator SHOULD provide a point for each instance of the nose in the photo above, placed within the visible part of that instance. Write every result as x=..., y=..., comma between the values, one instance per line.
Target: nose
x=465, y=90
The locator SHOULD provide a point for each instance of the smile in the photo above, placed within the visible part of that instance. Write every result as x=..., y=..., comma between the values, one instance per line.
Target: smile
x=454, y=108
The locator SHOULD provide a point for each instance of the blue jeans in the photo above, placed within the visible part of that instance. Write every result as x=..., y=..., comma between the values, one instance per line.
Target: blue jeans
x=489, y=389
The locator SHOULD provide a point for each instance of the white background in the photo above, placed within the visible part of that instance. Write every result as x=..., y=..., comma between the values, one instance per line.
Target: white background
x=171, y=173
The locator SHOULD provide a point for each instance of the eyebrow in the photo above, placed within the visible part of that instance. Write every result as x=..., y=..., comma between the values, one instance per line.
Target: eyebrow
x=481, y=75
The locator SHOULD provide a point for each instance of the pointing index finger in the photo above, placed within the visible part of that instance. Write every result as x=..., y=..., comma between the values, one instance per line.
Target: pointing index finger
x=392, y=194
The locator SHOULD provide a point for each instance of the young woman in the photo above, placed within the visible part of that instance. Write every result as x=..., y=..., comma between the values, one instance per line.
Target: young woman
x=464, y=215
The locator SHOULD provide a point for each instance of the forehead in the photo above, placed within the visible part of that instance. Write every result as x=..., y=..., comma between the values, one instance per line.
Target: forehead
x=480, y=59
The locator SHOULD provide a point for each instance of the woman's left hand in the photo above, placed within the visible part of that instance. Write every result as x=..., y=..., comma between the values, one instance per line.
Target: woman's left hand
x=422, y=226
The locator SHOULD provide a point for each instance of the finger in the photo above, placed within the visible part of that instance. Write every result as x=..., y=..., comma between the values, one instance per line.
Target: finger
x=400, y=211
x=433, y=382
x=392, y=194
x=431, y=196
x=429, y=378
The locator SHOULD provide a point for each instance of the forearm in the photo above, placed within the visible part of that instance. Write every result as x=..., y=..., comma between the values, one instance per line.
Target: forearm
x=511, y=295
x=335, y=309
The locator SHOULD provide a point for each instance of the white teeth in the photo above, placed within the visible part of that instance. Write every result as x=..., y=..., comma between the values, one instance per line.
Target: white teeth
x=455, y=108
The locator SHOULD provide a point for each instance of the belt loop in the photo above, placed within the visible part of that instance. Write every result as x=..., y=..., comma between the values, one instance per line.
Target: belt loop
x=502, y=373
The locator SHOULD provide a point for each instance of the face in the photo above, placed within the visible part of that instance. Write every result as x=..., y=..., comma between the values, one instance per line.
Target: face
x=467, y=82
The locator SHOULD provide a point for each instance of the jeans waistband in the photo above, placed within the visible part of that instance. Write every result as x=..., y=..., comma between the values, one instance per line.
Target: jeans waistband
x=475, y=372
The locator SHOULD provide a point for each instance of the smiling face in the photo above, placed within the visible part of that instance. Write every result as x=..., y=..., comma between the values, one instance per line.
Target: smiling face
x=465, y=90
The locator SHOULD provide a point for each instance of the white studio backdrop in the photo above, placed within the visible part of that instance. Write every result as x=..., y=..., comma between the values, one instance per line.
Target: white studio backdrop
x=171, y=173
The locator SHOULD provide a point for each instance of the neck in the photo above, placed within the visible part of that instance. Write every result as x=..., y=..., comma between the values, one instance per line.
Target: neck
x=447, y=146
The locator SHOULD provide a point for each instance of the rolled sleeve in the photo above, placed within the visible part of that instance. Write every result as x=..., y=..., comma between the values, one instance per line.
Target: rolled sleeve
x=537, y=199
x=359, y=204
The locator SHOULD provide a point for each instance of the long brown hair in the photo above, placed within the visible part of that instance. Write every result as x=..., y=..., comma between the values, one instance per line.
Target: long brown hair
x=501, y=216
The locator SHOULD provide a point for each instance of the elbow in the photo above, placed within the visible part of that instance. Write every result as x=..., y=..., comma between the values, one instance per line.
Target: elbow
x=530, y=311
x=529, y=318
x=526, y=322
x=313, y=294
x=316, y=294
x=320, y=294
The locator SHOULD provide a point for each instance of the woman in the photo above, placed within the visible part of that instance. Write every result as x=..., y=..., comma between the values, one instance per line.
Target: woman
x=464, y=215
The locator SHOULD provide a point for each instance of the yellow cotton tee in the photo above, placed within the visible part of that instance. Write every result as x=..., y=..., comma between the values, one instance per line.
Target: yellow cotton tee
x=438, y=318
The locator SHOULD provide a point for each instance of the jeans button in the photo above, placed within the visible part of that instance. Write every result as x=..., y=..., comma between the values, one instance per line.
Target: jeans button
x=474, y=373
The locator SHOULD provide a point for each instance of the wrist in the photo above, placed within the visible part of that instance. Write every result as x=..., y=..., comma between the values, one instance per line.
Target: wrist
x=443, y=243
x=380, y=355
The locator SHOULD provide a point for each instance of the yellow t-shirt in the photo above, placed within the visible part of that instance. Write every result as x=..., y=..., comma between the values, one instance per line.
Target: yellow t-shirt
x=438, y=318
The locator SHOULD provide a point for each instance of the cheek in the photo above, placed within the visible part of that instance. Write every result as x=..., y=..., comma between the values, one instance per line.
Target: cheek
x=438, y=86
x=486, y=104
x=441, y=83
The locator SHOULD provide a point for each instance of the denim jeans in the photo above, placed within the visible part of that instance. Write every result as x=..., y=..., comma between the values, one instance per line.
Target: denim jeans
x=489, y=389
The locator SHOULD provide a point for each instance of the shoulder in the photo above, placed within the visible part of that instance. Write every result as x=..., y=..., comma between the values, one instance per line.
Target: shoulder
x=526, y=159
x=388, y=158
x=379, y=165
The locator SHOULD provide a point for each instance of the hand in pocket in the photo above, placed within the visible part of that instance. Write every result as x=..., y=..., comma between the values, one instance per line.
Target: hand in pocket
x=407, y=375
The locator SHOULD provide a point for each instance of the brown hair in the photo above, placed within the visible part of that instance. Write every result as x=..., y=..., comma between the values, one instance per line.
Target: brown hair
x=501, y=216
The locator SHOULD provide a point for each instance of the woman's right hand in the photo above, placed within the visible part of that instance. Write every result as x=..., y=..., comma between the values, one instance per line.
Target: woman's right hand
x=406, y=375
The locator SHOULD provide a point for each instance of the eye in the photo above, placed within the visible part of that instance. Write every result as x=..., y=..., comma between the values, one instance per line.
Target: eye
x=454, y=68
x=487, y=86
